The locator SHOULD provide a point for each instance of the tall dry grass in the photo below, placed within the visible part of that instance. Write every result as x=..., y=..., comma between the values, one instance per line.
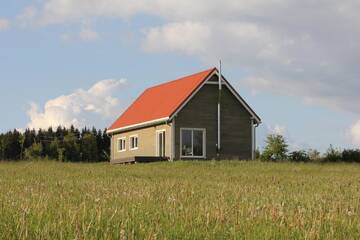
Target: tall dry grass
x=180, y=200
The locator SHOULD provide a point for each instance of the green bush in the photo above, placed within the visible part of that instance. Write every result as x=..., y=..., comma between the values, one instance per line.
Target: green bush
x=351, y=155
x=333, y=155
x=299, y=156
x=257, y=154
x=34, y=151
x=276, y=148
x=314, y=155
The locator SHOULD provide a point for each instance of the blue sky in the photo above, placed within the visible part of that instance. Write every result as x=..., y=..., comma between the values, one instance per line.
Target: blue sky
x=84, y=61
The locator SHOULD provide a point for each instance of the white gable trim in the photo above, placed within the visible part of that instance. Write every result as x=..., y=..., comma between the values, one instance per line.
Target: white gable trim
x=242, y=101
x=231, y=89
x=192, y=95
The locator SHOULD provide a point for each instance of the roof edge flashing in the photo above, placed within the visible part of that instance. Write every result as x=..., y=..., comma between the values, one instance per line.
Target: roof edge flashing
x=138, y=125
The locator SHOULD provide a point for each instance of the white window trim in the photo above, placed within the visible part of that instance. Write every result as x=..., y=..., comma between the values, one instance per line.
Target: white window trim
x=204, y=143
x=157, y=143
x=117, y=144
x=137, y=145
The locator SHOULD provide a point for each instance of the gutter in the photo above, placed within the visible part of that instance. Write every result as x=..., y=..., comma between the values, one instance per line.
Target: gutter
x=138, y=125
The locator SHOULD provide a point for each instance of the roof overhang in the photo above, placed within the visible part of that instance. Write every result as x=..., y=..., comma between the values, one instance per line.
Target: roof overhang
x=242, y=101
x=174, y=114
x=231, y=89
x=138, y=125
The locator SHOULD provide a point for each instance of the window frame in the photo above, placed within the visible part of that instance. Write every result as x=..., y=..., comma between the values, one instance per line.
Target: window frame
x=118, y=144
x=135, y=136
x=192, y=142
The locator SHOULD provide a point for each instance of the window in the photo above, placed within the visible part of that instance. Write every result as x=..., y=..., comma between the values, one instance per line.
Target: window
x=192, y=141
x=121, y=144
x=133, y=142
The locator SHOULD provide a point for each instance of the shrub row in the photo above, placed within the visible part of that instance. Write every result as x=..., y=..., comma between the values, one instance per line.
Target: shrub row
x=276, y=149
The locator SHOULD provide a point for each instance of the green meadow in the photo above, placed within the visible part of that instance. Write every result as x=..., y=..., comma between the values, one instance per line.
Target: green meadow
x=179, y=200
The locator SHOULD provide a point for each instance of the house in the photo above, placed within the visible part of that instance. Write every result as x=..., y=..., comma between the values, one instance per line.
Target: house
x=193, y=117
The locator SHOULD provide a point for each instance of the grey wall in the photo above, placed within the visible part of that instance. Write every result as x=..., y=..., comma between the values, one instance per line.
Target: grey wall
x=201, y=112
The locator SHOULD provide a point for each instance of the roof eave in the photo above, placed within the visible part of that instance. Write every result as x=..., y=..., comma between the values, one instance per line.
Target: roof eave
x=138, y=125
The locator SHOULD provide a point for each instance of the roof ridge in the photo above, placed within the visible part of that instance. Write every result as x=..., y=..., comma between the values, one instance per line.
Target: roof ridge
x=177, y=91
x=180, y=78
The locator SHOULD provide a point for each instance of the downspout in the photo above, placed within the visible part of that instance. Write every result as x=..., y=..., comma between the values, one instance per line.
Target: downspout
x=254, y=125
x=219, y=114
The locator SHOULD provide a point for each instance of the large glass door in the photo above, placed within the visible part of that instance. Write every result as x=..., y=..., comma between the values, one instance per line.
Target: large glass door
x=192, y=142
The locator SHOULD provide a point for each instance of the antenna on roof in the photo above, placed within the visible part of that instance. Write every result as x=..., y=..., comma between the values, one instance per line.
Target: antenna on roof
x=220, y=81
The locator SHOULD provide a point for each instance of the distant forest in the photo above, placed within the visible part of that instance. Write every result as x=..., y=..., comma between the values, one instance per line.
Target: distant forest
x=62, y=144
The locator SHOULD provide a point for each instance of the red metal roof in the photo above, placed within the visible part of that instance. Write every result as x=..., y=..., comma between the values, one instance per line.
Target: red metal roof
x=161, y=101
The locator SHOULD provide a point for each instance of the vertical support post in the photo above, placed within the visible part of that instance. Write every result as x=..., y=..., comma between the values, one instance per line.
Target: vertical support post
x=111, y=148
x=173, y=139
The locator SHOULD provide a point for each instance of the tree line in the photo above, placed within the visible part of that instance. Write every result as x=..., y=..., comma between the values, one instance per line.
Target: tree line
x=276, y=149
x=92, y=145
x=62, y=144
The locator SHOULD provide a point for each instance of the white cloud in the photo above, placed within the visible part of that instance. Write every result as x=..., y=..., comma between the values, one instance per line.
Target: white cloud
x=355, y=133
x=27, y=16
x=78, y=108
x=65, y=37
x=59, y=11
x=176, y=37
x=4, y=24
x=277, y=129
x=87, y=34
x=301, y=48
x=293, y=144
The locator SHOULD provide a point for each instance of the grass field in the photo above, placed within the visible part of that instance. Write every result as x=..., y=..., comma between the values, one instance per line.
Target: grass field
x=180, y=200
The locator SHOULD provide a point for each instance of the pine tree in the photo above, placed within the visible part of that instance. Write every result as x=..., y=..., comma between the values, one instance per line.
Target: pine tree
x=11, y=146
x=89, y=148
x=71, y=148
x=29, y=138
x=1, y=146
x=105, y=148
x=63, y=144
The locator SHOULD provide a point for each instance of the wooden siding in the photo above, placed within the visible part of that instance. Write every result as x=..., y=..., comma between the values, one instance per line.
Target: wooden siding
x=146, y=143
x=201, y=112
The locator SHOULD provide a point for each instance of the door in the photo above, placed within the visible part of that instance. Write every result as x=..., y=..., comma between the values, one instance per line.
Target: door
x=192, y=143
x=160, y=143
